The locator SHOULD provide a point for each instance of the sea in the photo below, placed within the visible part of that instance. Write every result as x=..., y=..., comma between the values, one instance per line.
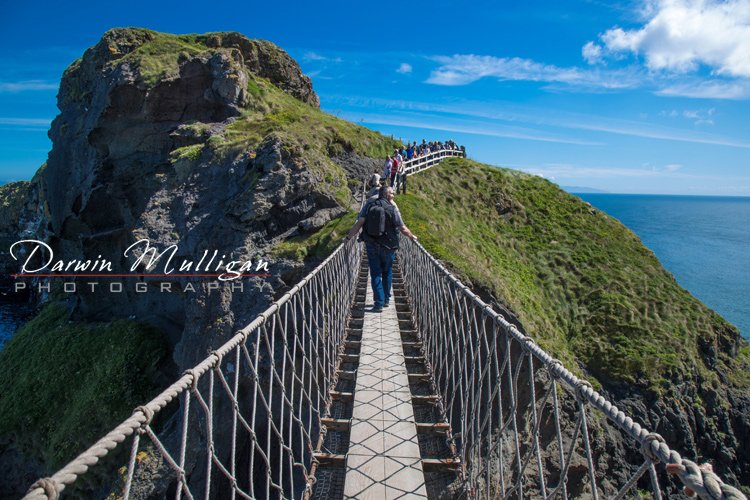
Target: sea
x=704, y=241
x=13, y=314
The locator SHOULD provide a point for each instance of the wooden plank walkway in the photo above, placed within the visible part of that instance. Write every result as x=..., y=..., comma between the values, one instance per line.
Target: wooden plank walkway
x=383, y=461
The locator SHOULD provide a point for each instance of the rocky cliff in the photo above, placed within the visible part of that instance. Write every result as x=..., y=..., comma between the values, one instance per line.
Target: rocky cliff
x=185, y=140
x=22, y=215
x=208, y=142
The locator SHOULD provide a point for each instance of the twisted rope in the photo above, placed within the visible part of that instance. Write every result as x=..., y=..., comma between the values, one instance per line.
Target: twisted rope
x=701, y=480
x=458, y=355
x=299, y=333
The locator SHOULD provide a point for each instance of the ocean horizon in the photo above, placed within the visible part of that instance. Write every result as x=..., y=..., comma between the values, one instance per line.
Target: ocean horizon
x=703, y=240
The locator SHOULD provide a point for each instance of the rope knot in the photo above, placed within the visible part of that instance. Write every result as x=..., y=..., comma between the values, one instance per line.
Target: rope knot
x=193, y=380
x=48, y=485
x=701, y=480
x=646, y=446
x=148, y=413
x=555, y=368
x=580, y=387
x=243, y=333
x=218, y=357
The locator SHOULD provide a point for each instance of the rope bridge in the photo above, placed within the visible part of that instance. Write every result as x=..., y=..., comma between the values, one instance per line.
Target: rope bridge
x=250, y=419
x=250, y=412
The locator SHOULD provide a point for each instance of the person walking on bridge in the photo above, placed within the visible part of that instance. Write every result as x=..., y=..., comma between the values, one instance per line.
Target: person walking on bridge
x=401, y=178
x=387, y=169
x=383, y=225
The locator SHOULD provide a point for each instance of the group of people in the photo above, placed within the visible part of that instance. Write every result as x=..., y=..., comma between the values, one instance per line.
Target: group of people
x=394, y=174
x=380, y=219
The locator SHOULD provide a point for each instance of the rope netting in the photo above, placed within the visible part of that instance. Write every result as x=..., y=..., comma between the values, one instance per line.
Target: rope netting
x=245, y=422
x=523, y=424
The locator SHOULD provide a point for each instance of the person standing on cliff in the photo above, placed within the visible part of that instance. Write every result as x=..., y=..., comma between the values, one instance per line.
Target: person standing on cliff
x=381, y=250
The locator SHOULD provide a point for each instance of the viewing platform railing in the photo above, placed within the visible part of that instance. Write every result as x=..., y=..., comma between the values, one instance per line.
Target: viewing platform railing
x=430, y=160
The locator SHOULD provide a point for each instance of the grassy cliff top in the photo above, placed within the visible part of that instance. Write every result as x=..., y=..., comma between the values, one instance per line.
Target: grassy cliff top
x=582, y=284
x=312, y=136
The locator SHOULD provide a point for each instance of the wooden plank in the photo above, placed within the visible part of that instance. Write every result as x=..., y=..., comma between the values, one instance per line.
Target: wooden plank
x=432, y=464
x=425, y=399
x=438, y=428
x=347, y=374
x=336, y=424
x=344, y=396
x=330, y=458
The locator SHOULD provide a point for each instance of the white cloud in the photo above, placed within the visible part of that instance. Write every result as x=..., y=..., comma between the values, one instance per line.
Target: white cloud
x=26, y=122
x=27, y=85
x=535, y=117
x=592, y=53
x=568, y=171
x=697, y=116
x=708, y=89
x=314, y=56
x=462, y=69
x=682, y=35
x=404, y=69
x=465, y=126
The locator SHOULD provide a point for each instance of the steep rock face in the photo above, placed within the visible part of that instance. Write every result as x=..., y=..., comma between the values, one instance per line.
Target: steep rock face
x=111, y=179
x=206, y=142
x=22, y=216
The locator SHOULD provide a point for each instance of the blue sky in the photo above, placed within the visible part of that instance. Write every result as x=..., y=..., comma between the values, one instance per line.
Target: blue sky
x=647, y=96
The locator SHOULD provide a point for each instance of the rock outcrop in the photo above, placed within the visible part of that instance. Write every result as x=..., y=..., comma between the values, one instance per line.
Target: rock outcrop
x=174, y=139
x=22, y=216
x=112, y=178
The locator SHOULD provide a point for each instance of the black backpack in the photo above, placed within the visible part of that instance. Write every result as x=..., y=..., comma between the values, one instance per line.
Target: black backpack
x=375, y=220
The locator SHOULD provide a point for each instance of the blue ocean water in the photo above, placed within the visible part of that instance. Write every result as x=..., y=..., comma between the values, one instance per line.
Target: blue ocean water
x=12, y=316
x=704, y=241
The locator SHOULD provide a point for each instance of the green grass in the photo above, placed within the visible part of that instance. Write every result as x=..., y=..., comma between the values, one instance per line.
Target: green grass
x=581, y=283
x=65, y=384
x=157, y=55
x=12, y=198
x=319, y=244
x=308, y=133
x=191, y=153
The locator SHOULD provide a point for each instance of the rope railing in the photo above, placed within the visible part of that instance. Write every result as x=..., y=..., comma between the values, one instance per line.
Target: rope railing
x=245, y=422
x=429, y=160
x=525, y=425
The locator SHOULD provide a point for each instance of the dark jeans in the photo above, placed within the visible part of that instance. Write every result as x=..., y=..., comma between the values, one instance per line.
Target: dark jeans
x=380, y=260
x=401, y=184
